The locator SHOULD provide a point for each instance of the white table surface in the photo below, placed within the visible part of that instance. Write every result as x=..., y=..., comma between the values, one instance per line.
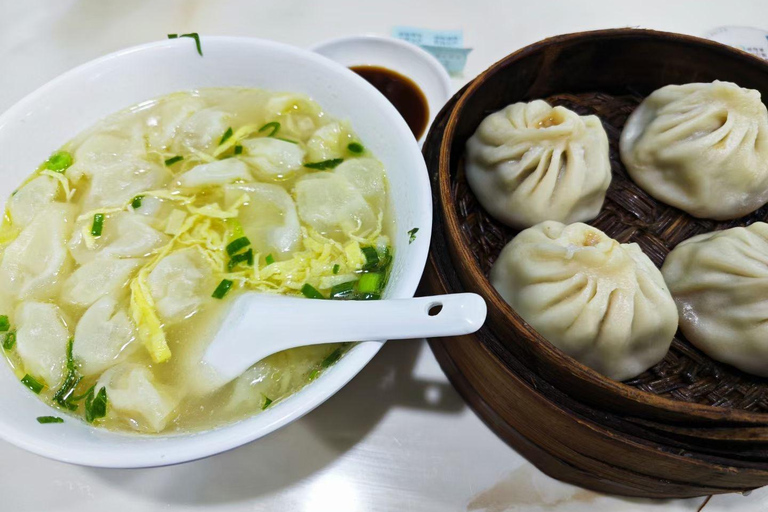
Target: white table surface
x=398, y=437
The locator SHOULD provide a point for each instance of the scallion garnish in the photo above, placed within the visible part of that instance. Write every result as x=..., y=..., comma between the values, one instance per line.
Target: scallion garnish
x=238, y=149
x=313, y=374
x=369, y=283
x=32, y=384
x=274, y=126
x=269, y=259
x=98, y=224
x=222, y=289
x=95, y=407
x=246, y=256
x=355, y=147
x=371, y=257
x=267, y=401
x=173, y=160
x=412, y=235
x=332, y=357
x=324, y=165
x=311, y=292
x=343, y=290
x=49, y=419
x=136, y=203
x=5, y=324
x=234, y=246
x=193, y=35
x=287, y=140
x=10, y=340
x=59, y=161
x=336, y=268
x=226, y=136
x=63, y=395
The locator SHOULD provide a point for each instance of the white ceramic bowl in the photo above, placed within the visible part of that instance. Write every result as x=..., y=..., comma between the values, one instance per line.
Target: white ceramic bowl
x=56, y=112
x=403, y=57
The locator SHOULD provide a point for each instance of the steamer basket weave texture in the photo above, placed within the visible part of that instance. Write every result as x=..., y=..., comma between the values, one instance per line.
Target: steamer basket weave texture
x=688, y=426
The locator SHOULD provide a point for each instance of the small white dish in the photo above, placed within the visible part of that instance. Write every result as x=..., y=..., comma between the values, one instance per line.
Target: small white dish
x=59, y=110
x=405, y=58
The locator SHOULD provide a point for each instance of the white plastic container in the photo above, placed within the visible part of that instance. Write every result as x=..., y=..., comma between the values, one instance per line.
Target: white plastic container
x=405, y=58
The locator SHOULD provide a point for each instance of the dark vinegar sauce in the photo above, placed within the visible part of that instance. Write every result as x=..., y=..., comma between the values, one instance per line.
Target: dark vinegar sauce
x=402, y=92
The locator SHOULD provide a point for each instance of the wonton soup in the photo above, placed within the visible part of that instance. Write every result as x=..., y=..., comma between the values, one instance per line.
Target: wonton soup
x=122, y=251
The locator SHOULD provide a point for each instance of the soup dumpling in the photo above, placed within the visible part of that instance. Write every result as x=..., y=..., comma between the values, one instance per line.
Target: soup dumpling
x=219, y=172
x=367, y=176
x=269, y=218
x=700, y=147
x=41, y=341
x=720, y=283
x=603, y=303
x=133, y=391
x=124, y=235
x=104, y=336
x=167, y=118
x=31, y=199
x=273, y=159
x=180, y=283
x=532, y=162
x=34, y=263
x=99, y=278
x=328, y=142
x=333, y=206
x=102, y=150
x=202, y=130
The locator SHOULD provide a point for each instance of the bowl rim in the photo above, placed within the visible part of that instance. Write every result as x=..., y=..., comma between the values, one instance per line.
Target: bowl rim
x=163, y=450
x=481, y=284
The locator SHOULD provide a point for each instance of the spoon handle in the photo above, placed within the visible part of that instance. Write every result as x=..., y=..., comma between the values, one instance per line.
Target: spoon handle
x=258, y=325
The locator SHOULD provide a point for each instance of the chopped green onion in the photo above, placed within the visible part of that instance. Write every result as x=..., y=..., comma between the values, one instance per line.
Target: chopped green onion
x=59, y=161
x=267, y=401
x=98, y=224
x=235, y=245
x=193, y=35
x=238, y=149
x=287, y=140
x=89, y=391
x=136, y=203
x=173, y=160
x=222, y=289
x=333, y=357
x=10, y=340
x=355, y=147
x=64, y=394
x=246, y=256
x=412, y=235
x=324, y=165
x=369, y=282
x=311, y=292
x=313, y=375
x=274, y=126
x=49, y=419
x=342, y=290
x=269, y=259
x=371, y=257
x=4, y=323
x=96, y=408
x=32, y=384
x=226, y=136
x=336, y=268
